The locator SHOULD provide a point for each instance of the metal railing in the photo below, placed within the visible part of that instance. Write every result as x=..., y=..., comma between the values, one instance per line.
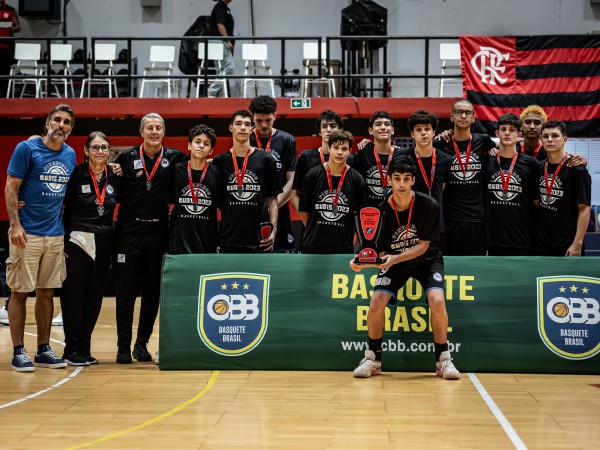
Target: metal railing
x=348, y=76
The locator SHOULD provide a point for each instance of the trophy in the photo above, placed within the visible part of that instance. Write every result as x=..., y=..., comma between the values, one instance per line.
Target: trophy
x=264, y=230
x=368, y=227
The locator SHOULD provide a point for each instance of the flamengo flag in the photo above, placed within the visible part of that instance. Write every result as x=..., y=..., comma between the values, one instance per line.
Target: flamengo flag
x=561, y=73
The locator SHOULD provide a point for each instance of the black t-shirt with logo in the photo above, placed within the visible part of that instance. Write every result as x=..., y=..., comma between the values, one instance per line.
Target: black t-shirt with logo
x=143, y=210
x=510, y=214
x=306, y=161
x=464, y=195
x=559, y=211
x=81, y=202
x=193, y=227
x=366, y=164
x=330, y=231
x=424, y=226
x=221, y=14
x=283, y=149
x=243, y=210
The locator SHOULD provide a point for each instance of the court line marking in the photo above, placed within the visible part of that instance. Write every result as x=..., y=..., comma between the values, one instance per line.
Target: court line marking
x=501, y=418
x=209, y=385
x=48, y=389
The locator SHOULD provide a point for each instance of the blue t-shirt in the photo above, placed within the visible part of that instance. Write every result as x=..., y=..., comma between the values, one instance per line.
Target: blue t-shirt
x=45, y=174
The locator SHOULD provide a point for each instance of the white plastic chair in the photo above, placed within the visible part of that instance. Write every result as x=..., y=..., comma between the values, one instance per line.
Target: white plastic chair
x=450, y=54
x=215, y=54
x=60, y=63
x=27, y=56
x=254, y=56
x=104, y=55
x=311, y=53
x=162, y=58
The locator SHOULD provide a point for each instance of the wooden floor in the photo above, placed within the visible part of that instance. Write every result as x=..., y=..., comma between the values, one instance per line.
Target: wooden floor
x=138, y=406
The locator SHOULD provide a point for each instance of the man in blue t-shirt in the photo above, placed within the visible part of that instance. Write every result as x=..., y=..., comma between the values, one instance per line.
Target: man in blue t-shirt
x=38, y=173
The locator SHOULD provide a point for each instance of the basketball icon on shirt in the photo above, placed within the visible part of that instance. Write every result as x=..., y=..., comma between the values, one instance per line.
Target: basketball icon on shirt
x=329, y=209
x=249, y=188
x=556, y=193
x=373, y=181
x=513, y=190
x=472, y=168
x=204, y=200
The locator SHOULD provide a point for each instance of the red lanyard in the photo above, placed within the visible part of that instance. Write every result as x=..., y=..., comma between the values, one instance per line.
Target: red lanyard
x=468, y=155
x=321, y=155
x=339, y=186
x=428, y=183
x=194, y=192
x=549, y=186
x=268, y=147
x=382, y=175
x=410, y=210
x=506, y=181
x=536, y=151
x=99, y=197
x=156, y=164
x=239, y=176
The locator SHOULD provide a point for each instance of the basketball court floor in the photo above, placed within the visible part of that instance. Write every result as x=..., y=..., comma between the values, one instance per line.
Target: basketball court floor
x=112, y=406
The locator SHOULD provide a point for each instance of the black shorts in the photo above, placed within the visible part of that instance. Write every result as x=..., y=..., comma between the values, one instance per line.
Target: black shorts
x=430, y=275
x=464, y=238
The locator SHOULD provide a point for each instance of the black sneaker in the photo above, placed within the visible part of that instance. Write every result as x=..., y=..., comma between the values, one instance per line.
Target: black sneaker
x=140, y=352
x=91, y=360
x=124, y=356
x=75, y=359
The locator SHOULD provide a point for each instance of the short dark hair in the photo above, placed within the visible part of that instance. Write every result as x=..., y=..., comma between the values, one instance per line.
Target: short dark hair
x=510, y=119
x=555, y=124
x=402, y=164
x=380, y=115
x=263, y=104
x=62, y=107
x=241, y=112
x=329, y=116
x=422, y=117
x=203, y=129
x=338, y=136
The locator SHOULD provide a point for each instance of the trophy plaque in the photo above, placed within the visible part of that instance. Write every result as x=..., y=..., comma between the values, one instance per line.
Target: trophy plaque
x=368, y=227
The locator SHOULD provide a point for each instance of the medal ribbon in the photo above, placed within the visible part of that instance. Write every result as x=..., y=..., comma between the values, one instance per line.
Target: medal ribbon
x=549, y=186
x=239, y=176
x=258, y=143
x=194, y=192
x=321, y=155
x=468, y=155
x=339, y=186
x=506, y=181
x=428, y=183
x=536, y=151
x=156, y=164
x=380, y=167
x=410, y=210
x=99, y=197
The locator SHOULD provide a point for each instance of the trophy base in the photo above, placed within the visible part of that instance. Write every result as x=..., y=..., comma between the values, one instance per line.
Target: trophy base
x=368, y=256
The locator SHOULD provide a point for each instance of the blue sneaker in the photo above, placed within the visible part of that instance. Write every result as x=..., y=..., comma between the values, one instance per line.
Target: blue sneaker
x=22, y=362
x=48, y=358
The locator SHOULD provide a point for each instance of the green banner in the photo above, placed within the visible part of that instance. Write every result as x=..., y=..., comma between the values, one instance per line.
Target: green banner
x=308, y=312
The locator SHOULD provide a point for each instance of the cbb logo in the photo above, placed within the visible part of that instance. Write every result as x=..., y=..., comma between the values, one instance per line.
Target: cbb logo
x=574, y=310
x=233, y=307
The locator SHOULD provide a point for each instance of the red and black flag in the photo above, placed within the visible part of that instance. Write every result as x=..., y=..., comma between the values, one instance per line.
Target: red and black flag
x=561, y=73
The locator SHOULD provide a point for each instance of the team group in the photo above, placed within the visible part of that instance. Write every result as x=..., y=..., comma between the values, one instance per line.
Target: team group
x=459, y=194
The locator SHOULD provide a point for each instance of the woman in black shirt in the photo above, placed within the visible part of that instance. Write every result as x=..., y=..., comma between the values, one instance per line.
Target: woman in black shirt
x=90, y=202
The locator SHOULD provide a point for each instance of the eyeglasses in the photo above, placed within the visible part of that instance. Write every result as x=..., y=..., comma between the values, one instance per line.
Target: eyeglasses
x=99, y=148
x=459, y=112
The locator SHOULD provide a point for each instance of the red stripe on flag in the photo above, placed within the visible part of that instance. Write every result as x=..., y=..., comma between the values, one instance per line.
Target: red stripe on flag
x=545, y=85
x=566, y=113
x=557, y=55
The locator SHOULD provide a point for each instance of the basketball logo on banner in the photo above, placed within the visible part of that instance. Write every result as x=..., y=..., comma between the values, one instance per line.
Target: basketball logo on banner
x=233, y=311
x=569, y=314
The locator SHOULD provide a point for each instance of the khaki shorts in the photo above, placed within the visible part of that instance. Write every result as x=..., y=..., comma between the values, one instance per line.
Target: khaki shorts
x=40, y=265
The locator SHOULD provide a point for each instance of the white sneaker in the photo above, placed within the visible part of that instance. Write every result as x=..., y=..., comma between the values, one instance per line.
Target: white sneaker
x=57, y=321
x=3, y=315
x=445, y=369
x=368, y=366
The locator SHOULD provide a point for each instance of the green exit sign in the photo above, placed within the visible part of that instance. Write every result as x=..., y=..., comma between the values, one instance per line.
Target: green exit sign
x=300, y=103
